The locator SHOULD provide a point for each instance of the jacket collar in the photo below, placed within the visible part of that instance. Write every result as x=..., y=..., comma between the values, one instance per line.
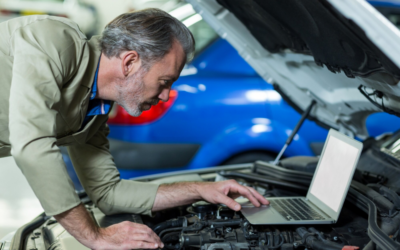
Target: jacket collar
x=94, y=55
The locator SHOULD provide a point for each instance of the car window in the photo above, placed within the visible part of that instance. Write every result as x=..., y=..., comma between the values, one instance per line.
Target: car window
x=202, y=32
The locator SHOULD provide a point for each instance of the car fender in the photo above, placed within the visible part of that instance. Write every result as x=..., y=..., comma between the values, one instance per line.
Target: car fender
x=248, y=135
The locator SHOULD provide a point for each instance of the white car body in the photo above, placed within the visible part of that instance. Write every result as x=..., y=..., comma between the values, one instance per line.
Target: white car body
x=340, y=104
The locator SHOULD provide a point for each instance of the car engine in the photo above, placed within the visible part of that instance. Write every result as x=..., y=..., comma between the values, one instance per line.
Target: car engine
x=370, y=217
x=210, y=227
x=369, y=220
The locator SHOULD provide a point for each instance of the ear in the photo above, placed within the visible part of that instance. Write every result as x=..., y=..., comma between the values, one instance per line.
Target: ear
x=130, y=62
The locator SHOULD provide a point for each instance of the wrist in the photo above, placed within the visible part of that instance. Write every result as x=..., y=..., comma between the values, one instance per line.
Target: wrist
x=94, y=239
x=79, y=223
x=97, y=233
x=197, y=190
x=90, y=234
x=177, y=194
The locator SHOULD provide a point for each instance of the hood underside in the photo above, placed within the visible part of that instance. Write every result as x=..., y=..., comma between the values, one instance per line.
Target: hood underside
x=343, y=54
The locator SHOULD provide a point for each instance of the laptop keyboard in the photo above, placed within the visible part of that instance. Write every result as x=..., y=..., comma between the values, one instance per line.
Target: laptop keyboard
x=297, y=209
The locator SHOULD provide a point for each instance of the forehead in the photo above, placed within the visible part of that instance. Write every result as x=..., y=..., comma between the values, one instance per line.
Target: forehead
x=172, y=63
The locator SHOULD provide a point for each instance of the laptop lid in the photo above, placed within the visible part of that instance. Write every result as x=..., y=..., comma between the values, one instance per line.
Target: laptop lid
x=334, y=173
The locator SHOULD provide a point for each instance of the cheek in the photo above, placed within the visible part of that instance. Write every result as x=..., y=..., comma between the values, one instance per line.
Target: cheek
x=152, y=90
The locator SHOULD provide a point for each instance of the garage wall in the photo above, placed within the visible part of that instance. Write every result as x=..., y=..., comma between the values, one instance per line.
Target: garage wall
x=18, y=203
x=108, y=10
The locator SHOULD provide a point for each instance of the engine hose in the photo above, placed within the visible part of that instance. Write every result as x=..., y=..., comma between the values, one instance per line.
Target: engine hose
x=382, y=204
x=388, y=193
x=280, y=242
x=374, y=232
x=168, y=224
x=370, y=246
x=169, y=230
x=320, y=235
x=388, y=225
x=224, y=223
x=327, y=245
x=263, y=179
x=311, y=241
x=168, y=237
x=278, y=175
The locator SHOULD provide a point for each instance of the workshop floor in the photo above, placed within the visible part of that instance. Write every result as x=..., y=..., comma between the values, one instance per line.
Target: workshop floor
x=18, y=204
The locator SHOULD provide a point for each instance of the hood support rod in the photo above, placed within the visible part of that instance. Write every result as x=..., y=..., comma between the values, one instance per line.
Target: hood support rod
x=295, y=130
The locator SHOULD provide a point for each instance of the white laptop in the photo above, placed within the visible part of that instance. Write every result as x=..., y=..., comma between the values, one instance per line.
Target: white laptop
x=327, y=192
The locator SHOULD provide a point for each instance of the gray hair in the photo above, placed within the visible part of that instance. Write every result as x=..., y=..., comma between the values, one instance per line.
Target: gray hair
x=150, y=32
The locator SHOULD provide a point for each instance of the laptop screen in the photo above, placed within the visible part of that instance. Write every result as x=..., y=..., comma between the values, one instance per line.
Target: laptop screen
x=334, y=171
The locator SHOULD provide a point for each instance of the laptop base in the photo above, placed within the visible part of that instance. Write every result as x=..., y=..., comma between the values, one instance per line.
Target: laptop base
x=270, y=215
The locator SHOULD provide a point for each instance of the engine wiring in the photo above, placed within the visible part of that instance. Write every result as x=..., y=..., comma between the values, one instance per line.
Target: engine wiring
x=377, y=94
x=207, y=226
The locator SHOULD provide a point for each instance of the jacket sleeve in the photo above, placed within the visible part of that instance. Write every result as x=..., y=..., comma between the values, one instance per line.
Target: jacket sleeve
x=35, y=93
x=100, y=178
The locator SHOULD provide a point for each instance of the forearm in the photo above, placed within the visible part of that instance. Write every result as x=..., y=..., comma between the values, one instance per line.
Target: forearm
x=78, y=222
x=224, y=192
x=125, y=235
x=176, y=194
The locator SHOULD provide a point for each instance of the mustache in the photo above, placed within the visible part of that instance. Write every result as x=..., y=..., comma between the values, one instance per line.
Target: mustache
x=153, y=101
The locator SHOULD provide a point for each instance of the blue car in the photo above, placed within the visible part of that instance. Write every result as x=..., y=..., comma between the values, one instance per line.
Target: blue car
x=212, y=118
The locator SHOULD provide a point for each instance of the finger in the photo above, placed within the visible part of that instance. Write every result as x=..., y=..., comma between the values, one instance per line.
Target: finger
x=232, y=204
x=142, y=228
x=258, y=196
x=143, y=245
x=145, y=230
x=244, y=191
x=147, y=238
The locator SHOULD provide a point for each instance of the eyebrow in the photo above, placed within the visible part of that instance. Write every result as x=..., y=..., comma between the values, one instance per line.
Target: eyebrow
x=174, y=78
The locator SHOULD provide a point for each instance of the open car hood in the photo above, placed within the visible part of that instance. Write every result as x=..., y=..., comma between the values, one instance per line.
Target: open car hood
x=336, y=52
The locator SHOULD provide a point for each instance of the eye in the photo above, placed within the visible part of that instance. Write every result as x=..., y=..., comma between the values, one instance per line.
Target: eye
x=166, y=82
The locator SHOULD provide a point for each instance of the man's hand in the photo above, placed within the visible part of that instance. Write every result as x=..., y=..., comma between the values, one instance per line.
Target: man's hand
x=183, y=193
x=226, y=191
x=125, y=235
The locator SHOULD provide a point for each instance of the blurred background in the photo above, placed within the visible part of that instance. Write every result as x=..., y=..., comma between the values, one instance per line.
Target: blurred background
x=91, y=15
x=220, y=111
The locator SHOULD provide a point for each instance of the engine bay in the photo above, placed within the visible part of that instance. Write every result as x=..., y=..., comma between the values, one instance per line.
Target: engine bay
x=370, y=217
x=208, y=227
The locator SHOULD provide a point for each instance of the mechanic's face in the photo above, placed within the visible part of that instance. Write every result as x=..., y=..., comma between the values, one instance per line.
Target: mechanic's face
x=146, y=88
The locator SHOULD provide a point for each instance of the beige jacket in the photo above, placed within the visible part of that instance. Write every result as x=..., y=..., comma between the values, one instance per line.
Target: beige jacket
x=47, y=68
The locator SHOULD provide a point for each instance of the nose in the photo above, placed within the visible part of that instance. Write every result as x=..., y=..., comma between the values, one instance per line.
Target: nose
x=164, y=95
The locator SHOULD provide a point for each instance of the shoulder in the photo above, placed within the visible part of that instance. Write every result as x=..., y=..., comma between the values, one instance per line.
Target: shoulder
x=55, y=37
x=45, y=25
x=46, y=32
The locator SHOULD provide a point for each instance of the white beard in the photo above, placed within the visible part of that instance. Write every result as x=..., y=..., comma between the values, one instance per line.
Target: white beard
x=130, y=93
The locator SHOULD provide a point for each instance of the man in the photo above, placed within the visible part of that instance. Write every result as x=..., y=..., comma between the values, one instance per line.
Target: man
x=57, y=89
